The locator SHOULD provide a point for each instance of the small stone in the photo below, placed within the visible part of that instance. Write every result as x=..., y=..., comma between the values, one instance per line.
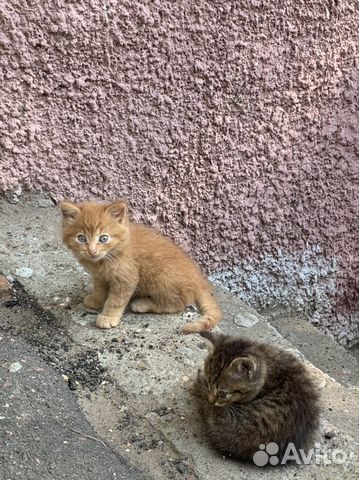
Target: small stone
x=142, y=366
x=182, y=469
x=162, y=411
x=18, y=191
x=186, y=352
x=15, y=367
x=247, y=320
x=24, y=272
x=191, y=308
x=329, y=432
x=189, y=316
x=45, y=203
x=72, y=383
x=11, y=303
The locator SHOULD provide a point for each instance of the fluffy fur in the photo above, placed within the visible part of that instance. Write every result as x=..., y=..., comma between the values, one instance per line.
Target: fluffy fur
x=252, y=394
x=134, y=263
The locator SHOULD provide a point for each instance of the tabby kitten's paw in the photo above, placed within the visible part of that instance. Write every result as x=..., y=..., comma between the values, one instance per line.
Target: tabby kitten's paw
x=105, y=321
x=92, y=302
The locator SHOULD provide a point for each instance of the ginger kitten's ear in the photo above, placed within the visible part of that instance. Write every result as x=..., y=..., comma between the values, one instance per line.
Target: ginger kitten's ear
x=69, y=211
x=118, y=210
x=243, y=367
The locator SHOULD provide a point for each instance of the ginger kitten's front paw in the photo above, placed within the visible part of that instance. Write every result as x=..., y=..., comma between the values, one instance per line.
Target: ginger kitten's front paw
x=92, y=302
x=105, y=321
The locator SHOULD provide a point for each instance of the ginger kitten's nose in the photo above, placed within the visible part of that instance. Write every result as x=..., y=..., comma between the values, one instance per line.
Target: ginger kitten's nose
x=92, y=251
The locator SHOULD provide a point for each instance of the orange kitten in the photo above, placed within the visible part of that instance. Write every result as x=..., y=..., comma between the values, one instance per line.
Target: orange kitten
x=132, y=262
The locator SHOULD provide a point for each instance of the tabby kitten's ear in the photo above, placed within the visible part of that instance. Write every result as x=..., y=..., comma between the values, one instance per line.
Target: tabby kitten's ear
x=118, y=210
x=212, y=340
x=243, y=367
x=69, y=211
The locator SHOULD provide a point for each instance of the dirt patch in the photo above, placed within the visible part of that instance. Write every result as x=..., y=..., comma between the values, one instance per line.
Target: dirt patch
x=41, y=329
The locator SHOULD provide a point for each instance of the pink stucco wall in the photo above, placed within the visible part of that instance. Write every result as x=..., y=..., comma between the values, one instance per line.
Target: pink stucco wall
x=231, y=125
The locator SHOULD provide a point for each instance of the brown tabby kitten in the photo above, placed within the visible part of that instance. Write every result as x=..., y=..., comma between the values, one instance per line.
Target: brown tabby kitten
x=129, y=261
x=252, y=394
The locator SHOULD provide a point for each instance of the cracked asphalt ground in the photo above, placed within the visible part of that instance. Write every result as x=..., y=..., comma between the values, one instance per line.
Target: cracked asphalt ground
x=43, y=432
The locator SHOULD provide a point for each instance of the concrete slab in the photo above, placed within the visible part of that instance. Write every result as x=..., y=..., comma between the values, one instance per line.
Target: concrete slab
x=317, y=347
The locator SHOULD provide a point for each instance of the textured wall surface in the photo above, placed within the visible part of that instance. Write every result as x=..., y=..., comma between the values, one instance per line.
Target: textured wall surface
x=230, y=125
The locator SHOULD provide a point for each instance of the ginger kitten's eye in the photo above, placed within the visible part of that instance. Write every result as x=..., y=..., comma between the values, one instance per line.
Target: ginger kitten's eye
x=103, y=239
x=82, y=238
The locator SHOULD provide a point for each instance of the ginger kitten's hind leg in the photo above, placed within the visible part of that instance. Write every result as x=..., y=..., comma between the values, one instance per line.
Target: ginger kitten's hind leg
x=147, y=304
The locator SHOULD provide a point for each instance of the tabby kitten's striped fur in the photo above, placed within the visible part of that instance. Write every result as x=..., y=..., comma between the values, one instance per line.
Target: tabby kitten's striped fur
x=252, y=394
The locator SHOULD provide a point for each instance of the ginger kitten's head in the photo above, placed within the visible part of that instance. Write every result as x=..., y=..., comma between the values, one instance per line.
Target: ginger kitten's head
x=95, y=231
x=233, y=371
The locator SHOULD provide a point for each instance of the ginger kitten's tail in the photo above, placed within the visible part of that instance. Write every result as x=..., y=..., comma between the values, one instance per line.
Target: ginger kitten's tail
x=211, y=313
